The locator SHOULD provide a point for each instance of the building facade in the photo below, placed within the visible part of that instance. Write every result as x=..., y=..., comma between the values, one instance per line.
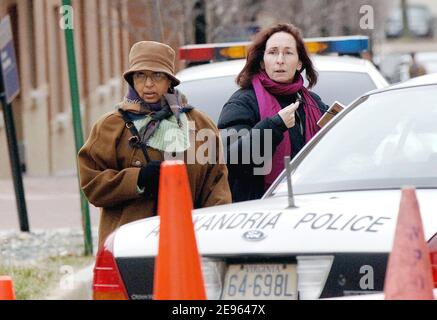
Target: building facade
x=104, y=30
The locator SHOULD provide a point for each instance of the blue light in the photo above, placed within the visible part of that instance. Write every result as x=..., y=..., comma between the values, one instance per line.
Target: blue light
x=349, y=46
x=343, y=45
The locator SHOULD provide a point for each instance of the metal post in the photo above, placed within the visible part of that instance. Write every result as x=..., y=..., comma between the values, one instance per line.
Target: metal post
x=291, y=203
x=15, y=164
x=77, y=124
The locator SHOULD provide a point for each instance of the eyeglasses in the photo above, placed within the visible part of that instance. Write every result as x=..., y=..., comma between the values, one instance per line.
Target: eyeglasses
x=154, y=76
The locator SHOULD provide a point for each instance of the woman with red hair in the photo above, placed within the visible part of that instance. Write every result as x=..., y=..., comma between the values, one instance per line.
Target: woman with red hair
x=272, y=114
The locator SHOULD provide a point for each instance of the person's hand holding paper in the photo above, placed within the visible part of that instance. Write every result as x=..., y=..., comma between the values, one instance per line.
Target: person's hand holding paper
x=335, y=108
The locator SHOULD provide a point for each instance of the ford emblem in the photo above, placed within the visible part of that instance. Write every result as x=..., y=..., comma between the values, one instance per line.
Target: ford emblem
x=254, y=235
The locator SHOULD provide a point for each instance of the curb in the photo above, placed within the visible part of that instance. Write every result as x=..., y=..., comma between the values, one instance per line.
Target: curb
x=75, y=286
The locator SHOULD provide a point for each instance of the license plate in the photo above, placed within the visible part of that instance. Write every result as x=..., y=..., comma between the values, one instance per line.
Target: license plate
x=260, y=281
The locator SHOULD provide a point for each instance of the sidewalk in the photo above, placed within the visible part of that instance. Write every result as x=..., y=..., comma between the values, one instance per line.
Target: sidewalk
x=52, y=202
x=53, y=207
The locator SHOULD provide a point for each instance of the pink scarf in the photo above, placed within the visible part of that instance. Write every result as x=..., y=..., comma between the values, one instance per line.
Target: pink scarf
x=265, y=88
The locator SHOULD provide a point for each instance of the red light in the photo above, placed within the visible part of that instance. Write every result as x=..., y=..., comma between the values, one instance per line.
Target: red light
x=196, y=54
x=107, y=282
x=432, y=245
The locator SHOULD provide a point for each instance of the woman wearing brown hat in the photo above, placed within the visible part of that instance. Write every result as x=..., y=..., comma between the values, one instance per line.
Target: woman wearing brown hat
x=120, y=162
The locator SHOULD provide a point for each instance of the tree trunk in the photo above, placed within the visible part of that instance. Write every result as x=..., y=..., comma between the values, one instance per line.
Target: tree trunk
x=158, y=29
x=406, y=28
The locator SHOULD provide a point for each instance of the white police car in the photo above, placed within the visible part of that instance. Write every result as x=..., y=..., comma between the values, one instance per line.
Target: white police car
x=336, y=239
x=341, y=78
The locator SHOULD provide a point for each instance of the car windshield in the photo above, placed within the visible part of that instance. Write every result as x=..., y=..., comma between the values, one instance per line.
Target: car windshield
x=417, y=13
x=354, y=83
x=414, y=13
x=209, y=95
x=387, y=141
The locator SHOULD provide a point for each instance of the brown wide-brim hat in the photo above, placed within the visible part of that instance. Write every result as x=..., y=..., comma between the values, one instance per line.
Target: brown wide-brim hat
x=152, y=56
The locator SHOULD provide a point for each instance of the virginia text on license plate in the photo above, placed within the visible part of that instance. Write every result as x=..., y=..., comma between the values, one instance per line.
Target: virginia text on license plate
x=260, y=281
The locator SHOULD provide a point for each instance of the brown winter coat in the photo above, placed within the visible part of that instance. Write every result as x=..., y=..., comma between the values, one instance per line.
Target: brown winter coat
x=109, y=170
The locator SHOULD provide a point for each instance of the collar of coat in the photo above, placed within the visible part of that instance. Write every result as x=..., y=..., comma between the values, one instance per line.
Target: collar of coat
x=177, y=102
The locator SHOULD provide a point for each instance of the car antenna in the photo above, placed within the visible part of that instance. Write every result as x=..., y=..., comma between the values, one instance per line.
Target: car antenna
x=291, y=204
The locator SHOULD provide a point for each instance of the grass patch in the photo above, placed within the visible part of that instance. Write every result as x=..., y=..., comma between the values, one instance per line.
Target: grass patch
x=36, y=281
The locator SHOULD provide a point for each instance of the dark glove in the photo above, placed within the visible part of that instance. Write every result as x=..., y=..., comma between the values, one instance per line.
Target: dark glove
x=149, y=179
x=277, y=120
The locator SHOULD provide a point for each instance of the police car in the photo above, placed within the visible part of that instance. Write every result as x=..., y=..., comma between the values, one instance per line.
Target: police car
x=334, y=238
x=342, y=77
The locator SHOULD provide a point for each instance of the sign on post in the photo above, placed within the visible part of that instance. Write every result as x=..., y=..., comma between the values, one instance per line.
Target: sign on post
x=8, y=61
x=9, y=89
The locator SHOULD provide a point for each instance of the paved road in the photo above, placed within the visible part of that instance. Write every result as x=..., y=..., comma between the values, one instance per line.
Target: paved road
x=52, y=202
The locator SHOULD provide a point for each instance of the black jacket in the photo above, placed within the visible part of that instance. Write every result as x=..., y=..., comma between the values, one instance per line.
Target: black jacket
x=244, y=143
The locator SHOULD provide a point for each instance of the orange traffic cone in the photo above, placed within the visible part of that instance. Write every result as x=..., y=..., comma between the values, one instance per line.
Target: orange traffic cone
x=6, y=288
x=409, y=273
x=178, y=274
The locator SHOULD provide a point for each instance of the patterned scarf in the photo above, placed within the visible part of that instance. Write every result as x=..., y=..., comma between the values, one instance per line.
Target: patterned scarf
x=170, y=104
x=265, y=88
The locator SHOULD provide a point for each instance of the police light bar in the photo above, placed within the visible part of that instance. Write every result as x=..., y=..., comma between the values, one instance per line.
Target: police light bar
x=238, y=50
x=214, y=51
x=340, y=45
